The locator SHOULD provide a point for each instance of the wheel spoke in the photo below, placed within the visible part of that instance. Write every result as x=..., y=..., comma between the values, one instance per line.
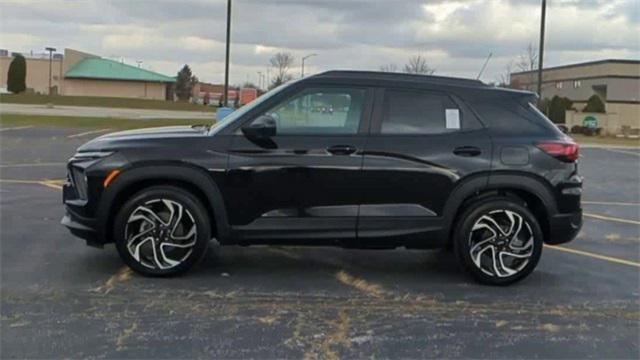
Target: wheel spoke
x=516, y=224
x=139, y=235
x=494, y=261
x=190, y=234
x=487, y=222
x=477, y=257
x=136, y=250
x=151, y=213
x=164, y=256
x=139, y=216
x=504, y=267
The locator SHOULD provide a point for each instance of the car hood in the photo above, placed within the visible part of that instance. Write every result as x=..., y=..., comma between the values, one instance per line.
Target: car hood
x=117, y=139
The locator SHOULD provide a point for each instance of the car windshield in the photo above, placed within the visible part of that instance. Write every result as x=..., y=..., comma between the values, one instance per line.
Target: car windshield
x=245, y=109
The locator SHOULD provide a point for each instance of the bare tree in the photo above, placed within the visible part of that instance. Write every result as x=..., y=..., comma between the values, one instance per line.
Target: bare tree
x=282, y=63
x=418, y=65
x=391, y=67
x=504, y=78
x=528, y=61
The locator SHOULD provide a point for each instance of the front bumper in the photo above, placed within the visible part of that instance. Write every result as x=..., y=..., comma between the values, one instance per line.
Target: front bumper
x=82, y=227
x=564, y=227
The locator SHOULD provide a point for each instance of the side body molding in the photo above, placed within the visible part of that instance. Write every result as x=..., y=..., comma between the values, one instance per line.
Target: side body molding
x=182, y=172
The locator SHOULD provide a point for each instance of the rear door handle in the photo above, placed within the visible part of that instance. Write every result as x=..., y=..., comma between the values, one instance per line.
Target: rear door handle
x=467, y=151
x=342, y=149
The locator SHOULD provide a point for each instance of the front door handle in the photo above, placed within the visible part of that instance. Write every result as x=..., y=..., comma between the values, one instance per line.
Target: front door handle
x=342, y=149
x=467, y=151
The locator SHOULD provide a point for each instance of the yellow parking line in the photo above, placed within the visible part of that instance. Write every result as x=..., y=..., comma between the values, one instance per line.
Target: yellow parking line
x=595, y=256
x=32, y=164
x=12, y=181
x=611, y=218
x=55, y=184
x=610, y=203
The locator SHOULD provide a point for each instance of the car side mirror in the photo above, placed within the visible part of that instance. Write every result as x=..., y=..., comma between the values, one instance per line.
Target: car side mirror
x=263, y=127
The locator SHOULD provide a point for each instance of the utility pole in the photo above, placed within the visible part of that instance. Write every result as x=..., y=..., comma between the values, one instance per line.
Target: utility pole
x=541, y=55
x=226, y=62
x=50, y=50
x=303, y=59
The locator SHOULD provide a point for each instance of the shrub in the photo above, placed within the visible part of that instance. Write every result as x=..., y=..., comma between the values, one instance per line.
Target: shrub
x=557, y=107
x=594, y=105
x=576, y=129
x=17, y=75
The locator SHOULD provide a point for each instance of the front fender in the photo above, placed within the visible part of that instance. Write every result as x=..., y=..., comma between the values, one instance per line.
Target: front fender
x=185, y=173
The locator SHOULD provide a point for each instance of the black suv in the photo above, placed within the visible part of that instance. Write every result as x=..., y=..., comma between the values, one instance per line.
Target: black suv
x=402, y=161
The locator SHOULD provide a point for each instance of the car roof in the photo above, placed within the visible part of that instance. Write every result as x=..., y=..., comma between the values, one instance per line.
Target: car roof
x=389, y=76
x=473, y=85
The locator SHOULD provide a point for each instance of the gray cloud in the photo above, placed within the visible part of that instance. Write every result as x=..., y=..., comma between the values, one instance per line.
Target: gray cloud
x=359, y=34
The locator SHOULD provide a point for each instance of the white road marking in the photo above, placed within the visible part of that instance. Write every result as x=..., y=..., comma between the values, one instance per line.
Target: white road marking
x=623, y=152
x=611, y=218
x=16, y=128
x=610, y=203
x=87, y=133
x=594, y=255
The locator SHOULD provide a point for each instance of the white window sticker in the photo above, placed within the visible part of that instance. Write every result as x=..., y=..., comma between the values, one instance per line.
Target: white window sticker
x=452, y=118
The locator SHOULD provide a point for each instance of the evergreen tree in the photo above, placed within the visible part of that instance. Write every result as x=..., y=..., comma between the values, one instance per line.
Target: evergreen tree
x=17, y=75
x=185, y=82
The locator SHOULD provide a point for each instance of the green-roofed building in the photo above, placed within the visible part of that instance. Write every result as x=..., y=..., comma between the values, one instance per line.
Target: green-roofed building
x=90, y=75
x=81, y=74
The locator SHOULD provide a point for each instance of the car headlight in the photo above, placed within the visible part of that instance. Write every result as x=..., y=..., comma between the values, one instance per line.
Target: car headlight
x=88, y=155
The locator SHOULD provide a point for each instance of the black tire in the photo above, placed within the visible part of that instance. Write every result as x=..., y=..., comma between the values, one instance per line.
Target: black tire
x=193, y=215
x=497, y=208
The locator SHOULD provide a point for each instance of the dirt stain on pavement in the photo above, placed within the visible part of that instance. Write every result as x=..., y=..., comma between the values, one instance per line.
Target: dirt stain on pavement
x=364, y=286
x=124, y=274
x=126, y=334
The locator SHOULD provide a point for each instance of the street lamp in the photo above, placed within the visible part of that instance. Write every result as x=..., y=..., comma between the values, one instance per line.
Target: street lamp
x=226, y=60
x=541, y=56
x=303, y=59
x=260, y=79
x=50, y=50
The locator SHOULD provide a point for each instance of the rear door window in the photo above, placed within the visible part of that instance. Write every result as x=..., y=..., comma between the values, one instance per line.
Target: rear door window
x=407, y=112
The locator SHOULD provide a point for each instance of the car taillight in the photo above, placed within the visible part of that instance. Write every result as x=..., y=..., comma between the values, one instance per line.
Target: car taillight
x=567, y=151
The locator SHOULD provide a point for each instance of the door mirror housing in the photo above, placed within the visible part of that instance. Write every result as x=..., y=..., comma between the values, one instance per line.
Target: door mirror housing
x=263, y=127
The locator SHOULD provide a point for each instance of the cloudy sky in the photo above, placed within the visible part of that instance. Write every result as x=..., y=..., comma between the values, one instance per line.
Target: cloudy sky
x=455, y=36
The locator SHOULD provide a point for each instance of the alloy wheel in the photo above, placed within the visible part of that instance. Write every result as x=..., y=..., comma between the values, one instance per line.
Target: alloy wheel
x=160, y=234
x=501, y=243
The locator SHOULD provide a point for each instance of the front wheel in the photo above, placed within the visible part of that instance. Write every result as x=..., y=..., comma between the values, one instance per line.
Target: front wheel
x=162, y=231
x=498, y=241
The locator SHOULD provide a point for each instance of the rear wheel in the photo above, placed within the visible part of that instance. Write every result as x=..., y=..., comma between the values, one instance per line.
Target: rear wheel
x=498, y=241
x=162, y=231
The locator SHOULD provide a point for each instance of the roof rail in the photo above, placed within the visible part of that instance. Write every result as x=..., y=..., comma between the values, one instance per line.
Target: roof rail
x=379, y=75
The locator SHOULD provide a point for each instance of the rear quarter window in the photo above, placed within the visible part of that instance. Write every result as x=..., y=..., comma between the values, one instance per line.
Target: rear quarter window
x=511, y=117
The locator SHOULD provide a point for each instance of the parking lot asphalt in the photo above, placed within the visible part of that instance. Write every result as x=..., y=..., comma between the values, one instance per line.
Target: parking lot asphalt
x=60, y=298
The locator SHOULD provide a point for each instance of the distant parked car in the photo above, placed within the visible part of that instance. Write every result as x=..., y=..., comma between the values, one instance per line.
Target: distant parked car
x=416, y=161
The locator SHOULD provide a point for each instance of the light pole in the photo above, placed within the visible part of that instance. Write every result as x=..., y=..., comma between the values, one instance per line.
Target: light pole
x=542, y=24
x=50, y=50
x=260, y=79
x=303, y=59
x=226, y=61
